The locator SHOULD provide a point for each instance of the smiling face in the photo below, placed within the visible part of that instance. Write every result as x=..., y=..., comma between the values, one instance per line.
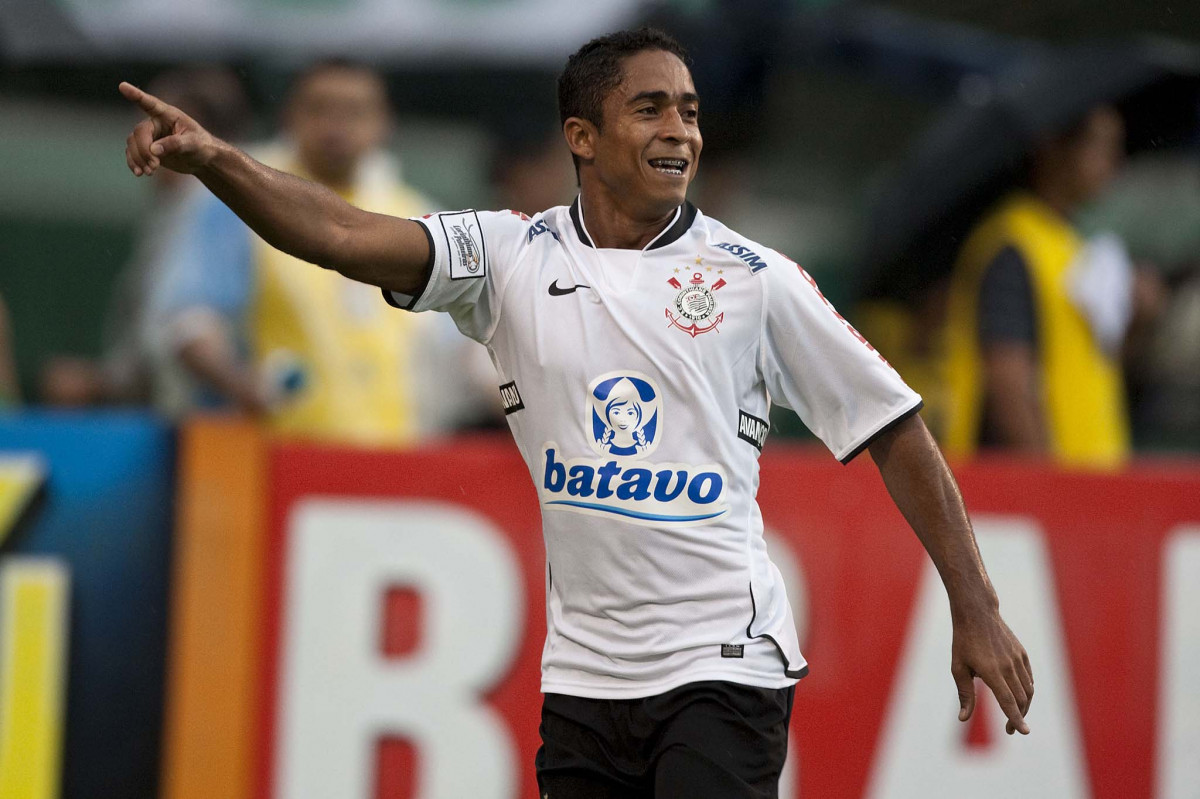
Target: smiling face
x=645, y=152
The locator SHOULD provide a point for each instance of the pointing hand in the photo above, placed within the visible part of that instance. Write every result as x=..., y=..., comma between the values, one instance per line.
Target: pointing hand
x=167, y=137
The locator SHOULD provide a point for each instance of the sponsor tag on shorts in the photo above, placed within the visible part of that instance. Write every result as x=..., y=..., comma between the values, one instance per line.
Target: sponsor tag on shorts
x=732, y=650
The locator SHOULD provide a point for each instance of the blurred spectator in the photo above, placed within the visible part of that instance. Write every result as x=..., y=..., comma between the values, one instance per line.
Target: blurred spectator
x=1155, y=206
x=1170, y=412
x=315, y=354
x=1037, y=316
x=122, y=374
x=9, y=391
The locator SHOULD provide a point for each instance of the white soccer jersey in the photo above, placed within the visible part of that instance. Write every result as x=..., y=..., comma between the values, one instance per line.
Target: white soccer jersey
x=637, y=385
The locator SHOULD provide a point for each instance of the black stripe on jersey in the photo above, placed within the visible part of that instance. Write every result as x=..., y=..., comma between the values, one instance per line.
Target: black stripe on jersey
x=872, y=438
x=676, y=231
x=683, y=222
x=579, y=231
x=391, y=300
x=797, y=674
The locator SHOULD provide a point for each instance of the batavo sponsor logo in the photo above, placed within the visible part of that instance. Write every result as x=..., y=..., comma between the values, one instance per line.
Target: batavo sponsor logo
x=626, y=417
x=745, y=254
x=641, y=493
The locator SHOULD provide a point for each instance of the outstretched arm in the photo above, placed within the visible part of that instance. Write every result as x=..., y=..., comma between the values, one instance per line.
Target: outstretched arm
x=294, y=215
x=924, y=490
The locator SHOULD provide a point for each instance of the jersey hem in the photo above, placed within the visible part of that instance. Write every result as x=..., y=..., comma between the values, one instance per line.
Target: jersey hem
x=641, y=690
x=796, y=673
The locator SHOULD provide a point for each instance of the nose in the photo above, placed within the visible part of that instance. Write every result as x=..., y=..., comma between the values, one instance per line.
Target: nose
x=673, y=127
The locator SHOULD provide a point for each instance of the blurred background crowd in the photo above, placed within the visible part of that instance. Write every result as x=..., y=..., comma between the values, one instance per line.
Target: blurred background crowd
x=1003, y=197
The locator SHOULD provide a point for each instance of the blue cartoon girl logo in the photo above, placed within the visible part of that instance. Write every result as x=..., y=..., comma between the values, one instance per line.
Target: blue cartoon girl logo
x=624, y=413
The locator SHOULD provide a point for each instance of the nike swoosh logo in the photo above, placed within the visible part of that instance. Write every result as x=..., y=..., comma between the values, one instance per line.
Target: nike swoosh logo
x=555, y=291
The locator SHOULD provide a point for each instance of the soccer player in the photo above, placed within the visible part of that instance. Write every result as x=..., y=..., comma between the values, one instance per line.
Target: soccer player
x=639, y=345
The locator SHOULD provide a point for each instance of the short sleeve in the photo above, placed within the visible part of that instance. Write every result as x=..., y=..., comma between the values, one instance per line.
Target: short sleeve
x=210, y=266
x=471, y=254
x=817, y=364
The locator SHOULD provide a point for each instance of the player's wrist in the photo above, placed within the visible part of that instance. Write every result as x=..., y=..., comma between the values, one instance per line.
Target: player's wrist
x=216, y=158
x=972, y=602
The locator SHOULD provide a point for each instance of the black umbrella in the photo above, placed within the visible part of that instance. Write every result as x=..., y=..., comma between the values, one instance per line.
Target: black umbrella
x=978, y=148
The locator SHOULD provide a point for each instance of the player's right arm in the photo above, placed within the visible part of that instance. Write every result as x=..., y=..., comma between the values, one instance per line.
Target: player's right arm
x=294, y=215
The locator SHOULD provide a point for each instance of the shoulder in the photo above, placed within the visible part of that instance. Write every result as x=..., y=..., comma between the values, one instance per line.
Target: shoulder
x=475, y=243
x=514, y=231
x=496, y=227
x=724, y=243
x=783, y=279
x=778, y=275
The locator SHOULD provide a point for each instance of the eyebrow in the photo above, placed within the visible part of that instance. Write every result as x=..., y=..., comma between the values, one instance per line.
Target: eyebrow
x=661, y=96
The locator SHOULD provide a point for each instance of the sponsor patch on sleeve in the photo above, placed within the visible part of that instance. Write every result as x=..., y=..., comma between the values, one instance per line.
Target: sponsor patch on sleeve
x=511, y=398
x=464, y=240
x=752, y=429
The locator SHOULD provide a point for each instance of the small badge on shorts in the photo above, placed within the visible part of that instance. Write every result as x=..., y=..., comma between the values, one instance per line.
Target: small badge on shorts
x=732, y=650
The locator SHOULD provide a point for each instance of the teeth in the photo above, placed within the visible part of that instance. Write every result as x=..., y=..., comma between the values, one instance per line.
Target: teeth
x=669, y=166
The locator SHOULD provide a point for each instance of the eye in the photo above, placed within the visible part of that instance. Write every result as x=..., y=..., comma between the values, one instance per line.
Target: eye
x=691, y=113
x=648, y=109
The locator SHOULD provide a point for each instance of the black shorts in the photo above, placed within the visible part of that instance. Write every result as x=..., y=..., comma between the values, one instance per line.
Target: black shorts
x=704, y=740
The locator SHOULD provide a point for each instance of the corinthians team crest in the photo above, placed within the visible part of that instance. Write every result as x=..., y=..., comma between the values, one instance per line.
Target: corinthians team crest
x=695, y=306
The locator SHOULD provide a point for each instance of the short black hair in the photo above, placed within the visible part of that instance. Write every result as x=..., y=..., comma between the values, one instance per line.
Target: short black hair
x=594, y=70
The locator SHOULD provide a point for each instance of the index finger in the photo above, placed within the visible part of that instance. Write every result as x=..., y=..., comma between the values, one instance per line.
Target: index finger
x=147, y=102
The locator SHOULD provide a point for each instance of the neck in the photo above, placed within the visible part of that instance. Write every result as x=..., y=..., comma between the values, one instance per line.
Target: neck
x=611, y=225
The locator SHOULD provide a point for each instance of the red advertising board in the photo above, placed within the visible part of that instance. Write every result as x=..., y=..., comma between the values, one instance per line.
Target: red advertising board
x=404, y=621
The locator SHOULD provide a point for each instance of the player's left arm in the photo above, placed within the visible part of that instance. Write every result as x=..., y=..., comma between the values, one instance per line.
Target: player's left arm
x=920, y=483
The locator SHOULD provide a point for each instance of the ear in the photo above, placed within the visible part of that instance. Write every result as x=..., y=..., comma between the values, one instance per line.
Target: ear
x=581, y=137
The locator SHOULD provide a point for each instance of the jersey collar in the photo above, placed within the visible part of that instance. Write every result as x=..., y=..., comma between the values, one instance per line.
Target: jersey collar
x=685, y=215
